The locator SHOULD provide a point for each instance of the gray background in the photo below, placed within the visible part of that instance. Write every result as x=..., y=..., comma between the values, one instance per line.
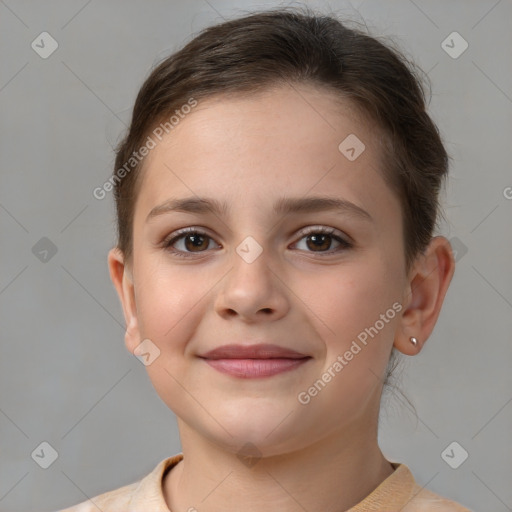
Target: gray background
x=65, y=375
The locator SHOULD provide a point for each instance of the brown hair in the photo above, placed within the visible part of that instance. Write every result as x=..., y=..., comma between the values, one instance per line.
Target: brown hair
x=296, y=45
x=293, y=45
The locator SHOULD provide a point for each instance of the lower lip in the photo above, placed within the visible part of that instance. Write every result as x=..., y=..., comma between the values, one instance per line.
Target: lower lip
x=254, y=368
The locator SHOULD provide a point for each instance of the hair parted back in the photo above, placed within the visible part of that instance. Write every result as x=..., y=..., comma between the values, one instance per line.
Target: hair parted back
x=296, y=45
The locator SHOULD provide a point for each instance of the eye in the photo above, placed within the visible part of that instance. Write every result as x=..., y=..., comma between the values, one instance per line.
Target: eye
x=194, y=241
x=319, y=238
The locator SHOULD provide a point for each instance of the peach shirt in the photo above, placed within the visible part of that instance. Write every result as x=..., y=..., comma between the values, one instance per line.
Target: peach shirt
x=397, y=493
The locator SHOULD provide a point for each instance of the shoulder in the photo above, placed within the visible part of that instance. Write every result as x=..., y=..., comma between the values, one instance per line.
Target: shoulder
x=110, y=500
x=400, y=491
x=424, y=500
x=144, y=494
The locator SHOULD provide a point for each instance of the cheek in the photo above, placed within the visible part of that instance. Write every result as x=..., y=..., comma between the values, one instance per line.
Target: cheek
x=354, y=304
x=357, y=326
x=168, y=306
x=344, y=298
x=168, y=299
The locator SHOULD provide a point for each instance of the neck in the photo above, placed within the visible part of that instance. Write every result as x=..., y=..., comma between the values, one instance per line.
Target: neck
x=330, y=475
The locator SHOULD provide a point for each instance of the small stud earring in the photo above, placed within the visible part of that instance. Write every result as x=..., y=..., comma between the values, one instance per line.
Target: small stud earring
x=414, y=341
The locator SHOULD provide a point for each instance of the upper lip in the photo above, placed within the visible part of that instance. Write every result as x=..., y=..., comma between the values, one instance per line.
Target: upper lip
x=260, y=351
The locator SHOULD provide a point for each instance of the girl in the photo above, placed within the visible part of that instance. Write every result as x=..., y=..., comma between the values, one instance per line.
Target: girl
x=277, y=194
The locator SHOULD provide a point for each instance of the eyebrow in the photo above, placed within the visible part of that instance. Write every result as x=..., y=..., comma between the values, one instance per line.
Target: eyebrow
x=283, y=205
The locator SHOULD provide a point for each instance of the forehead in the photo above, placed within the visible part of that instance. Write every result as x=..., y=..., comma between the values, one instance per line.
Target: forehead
x=251, y=148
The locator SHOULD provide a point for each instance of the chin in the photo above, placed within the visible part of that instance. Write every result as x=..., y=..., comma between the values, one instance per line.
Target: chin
x=270, y=432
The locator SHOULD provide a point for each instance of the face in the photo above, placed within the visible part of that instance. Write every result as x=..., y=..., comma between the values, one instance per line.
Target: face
x=314, y=280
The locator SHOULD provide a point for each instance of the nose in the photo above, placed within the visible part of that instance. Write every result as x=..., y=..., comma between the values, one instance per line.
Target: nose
x=252, y=291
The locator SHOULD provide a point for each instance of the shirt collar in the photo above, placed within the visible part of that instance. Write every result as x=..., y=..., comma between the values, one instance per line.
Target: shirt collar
x=392, y=493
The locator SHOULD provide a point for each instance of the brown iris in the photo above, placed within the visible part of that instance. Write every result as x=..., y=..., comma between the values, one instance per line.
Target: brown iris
x=319, y=241
x=198, y=242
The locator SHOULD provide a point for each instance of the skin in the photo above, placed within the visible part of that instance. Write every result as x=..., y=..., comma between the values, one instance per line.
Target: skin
x=250, y=151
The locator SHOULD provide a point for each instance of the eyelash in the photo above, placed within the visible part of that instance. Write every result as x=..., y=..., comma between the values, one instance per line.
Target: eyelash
x=168, y=242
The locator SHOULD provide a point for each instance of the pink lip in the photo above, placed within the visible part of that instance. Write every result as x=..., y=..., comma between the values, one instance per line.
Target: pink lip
x=254, y=368
x=260, y=351
x=254, y=361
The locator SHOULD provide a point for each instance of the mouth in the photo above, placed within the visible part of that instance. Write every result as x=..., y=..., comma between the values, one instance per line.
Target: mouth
x=255, y=368
x=254, y=361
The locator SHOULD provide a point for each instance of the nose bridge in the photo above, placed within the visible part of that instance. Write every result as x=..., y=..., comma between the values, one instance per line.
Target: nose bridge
x=251, y=237
x=251, y=265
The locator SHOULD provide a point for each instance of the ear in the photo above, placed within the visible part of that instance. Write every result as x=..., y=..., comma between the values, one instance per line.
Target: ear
x=428, y=282
x=122, y=277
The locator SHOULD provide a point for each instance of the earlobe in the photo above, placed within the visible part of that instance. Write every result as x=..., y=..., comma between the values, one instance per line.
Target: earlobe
x=122, y=278
x=429, y=281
